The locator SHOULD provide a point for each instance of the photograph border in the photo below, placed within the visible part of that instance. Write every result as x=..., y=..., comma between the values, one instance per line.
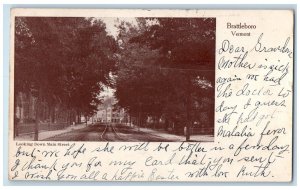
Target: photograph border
x=6, y=19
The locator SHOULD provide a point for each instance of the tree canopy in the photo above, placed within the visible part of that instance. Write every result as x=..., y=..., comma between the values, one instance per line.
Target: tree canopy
x=161, y=68
x=64, y=61
x=166, y=68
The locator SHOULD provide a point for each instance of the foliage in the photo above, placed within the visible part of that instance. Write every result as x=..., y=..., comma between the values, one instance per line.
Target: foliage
x=166, y=68
x=64, y=61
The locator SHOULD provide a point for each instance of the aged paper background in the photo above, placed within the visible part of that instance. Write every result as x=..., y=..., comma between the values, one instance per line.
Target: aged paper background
x=253, y=115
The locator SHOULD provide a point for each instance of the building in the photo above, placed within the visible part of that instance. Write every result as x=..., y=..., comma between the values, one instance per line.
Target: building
x=25, y=108
x=107, y=114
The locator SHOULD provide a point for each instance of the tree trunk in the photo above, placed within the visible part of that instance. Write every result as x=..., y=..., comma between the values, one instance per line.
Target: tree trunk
x=139, y=121
x=37, y=119
x=188, y=109
x=44, y=110
x=73, y=117
x=78, y=117
x=166, y=124
x=16, y=120
x=49, y=117
x=68, y=117
x=52, y=113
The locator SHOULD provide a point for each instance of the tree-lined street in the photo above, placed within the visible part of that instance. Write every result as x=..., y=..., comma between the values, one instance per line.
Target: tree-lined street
x=161, y=72
x=100, y=132
x=121, y=133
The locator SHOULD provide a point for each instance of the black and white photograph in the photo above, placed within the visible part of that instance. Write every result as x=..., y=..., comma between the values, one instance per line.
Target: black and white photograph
x=150, y=95
x=133, y=79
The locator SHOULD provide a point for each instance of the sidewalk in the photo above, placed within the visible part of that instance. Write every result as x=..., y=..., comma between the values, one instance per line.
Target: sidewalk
x=48, y=134
x=173, y=137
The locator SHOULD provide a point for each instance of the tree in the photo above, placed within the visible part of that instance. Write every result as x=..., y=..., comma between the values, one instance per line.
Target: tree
x=64, y=61
x=169, y=63
x=136, y=78
x=185, y=42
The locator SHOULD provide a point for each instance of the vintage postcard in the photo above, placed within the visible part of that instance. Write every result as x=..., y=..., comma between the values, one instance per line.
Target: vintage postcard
x=151, y=95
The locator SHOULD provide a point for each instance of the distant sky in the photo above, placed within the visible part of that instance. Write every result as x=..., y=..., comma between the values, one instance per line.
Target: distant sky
x=107, y=91
x=111, y=28
x=112, y=22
